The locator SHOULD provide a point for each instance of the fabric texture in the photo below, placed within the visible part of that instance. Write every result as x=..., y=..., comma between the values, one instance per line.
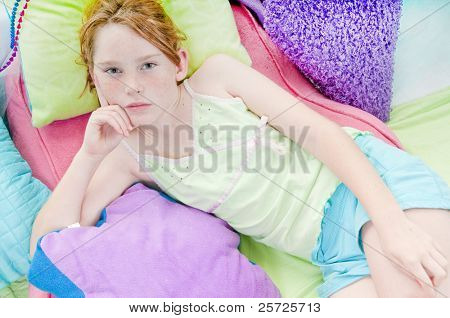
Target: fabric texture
x=172, y=251
x=339, y=250
x=346, y=48
x=21, y=198
x=18, y=289
x=54, y=81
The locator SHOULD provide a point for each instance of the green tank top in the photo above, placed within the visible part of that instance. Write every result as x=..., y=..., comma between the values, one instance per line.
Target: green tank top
x=262, y=183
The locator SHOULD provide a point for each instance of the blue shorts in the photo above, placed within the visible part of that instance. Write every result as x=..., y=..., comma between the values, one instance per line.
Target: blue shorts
x=339, y=251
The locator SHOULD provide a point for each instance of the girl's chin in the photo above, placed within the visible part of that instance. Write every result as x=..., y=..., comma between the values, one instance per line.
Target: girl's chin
x=139, y=123
x=143, y=118
x=137, y=118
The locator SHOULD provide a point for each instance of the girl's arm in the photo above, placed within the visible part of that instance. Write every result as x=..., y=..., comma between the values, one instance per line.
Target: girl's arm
x=64, y=204
x=89, y=184
x=402, y=241
x=106, y=127
x=322, y=138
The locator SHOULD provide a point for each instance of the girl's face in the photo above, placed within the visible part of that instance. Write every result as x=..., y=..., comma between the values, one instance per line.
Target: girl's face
x=129, y=69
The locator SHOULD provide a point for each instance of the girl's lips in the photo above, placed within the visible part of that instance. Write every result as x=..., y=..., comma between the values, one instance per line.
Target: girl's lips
x=138, y=107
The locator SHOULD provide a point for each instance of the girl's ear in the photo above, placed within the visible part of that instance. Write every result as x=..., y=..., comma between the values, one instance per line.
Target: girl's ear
x=182, y=68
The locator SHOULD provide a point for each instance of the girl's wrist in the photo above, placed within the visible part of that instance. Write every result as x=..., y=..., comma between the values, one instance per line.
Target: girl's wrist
x=84, y=155
x=391, y=217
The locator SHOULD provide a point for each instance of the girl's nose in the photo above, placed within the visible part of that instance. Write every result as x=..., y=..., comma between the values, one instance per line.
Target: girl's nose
x=135, y=88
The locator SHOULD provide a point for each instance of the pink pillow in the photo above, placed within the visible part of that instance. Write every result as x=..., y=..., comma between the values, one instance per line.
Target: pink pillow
x=49, y=150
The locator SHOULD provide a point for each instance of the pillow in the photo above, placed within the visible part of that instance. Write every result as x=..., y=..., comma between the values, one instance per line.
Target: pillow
x=221, y=35
x=18, y=289
x=147, y=245
x=21, y=198
x=49, y=47
x=346, y=48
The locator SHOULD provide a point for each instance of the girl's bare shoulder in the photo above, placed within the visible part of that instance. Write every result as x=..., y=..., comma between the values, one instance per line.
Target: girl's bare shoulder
x=205, y=81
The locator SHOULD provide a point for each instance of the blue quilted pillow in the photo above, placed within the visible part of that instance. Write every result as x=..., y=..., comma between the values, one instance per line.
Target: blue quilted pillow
x=21, y=198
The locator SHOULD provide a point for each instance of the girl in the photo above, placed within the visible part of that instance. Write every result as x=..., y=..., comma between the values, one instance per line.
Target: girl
x=337, y=196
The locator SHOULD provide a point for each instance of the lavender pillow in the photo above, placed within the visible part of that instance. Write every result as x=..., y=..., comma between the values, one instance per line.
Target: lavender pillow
x=148, y=245
x=346, y=48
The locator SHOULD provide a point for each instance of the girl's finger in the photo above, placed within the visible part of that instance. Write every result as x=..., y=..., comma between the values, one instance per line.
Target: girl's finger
x=434, y=270
x=420, y=275
x=119, y=120
x=124, y=115
x=101, y=98
x=102, y=119
x=440, y=259
x=439, y=248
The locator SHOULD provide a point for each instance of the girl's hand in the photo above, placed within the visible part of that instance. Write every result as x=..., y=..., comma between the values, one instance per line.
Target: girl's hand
x=415, y=251
x=106, y=127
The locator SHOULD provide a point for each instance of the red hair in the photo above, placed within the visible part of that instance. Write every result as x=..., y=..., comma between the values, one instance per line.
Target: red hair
x=146, y=17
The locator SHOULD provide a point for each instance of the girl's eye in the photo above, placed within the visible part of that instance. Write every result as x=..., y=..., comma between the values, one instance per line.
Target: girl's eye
x=150, y=64
x=113, y=68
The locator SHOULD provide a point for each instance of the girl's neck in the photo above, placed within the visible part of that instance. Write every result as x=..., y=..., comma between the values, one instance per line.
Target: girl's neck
x=173, y=130
x=178, y=115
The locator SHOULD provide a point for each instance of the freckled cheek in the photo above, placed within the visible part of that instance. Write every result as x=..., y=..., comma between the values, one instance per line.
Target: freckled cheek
x=153, y=89
x=112, y=84
x=111, y=89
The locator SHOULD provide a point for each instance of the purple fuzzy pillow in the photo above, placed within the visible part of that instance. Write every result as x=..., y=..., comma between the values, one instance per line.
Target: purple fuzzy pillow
x=346, y=48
